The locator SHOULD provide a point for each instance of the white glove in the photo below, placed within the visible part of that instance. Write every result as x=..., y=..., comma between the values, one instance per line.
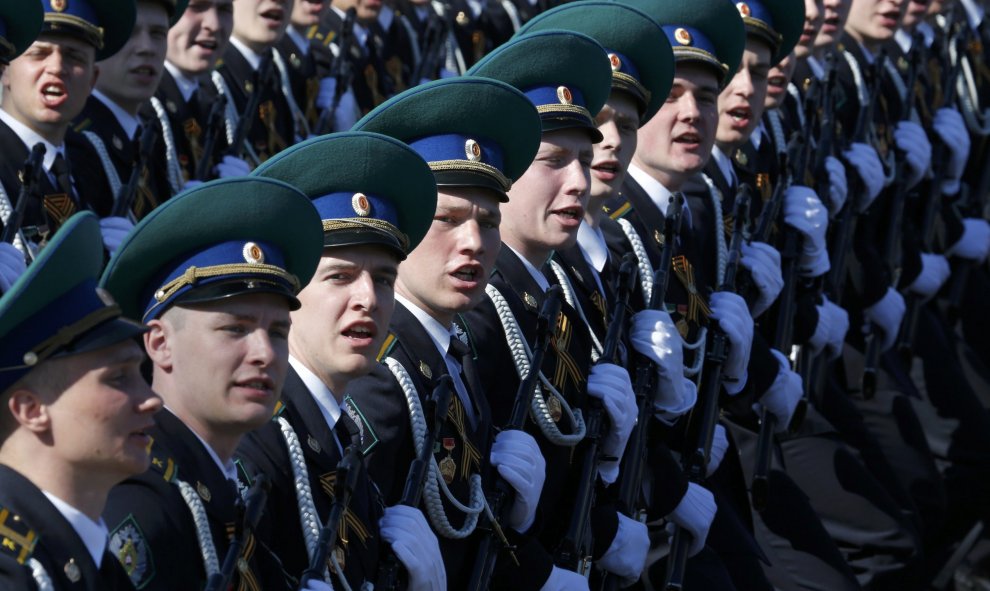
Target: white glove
x=347, y=112
x=763, y=262
x=720, y=443
x=887, y=315
x=951, y=129
x=232, y=166
x=838, y=186
x=869, y=169
x=324, y=96
x=611, y=384
x=784, y=394
x=974, y=244
x=730, y=310
x=626, y=556
x=190, y=185
x=804, y=212
x=911, y=139
x=415, y=545
x=12, y=265
x=114, y=229
x=695, y=513
x=316, y=585
x=518, y=459
x=654, y=335
x=830, y=332
x=561, y=579
x=934, y=271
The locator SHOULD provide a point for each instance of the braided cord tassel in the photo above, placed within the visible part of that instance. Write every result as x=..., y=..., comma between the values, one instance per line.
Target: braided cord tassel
x=175, y=178
x=40, y=575
x=642, y=259
x=304, y=493
x=210, y=561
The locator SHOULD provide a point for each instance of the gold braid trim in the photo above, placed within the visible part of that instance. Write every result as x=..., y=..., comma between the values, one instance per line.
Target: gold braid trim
x=479, y=167
x=685, y=274
x=561, y=108
x=626, y=81
x=67, y=334
x=194, y=274
x=372, y=223
x=75, y=21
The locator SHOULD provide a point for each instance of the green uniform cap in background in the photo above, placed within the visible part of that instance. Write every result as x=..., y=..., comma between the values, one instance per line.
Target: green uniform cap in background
x=778, y=22
x=368, y=188
x=105, y=24
x=20, y=23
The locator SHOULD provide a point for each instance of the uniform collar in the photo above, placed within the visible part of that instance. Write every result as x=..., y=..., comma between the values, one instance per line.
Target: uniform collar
x=30, y=138
x=904, y=40
x=129, y=123
x=301, y=42
x=187, y=86
x=385, y=16
x=533, y=271
x=756, y=138
x=724, y=165
x=592, y=244
x=439, y=334
x=93, y=534
x=321, y=393
x=658, y=193
x=816, y=67
x=253, y=59
x=927, y=32
x=360, y=31
x=228, y=469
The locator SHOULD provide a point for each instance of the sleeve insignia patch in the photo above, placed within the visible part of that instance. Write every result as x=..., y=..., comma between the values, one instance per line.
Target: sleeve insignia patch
x=128, y=544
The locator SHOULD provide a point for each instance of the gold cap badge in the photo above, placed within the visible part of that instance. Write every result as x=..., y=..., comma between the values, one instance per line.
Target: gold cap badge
x=253, y=253
x=472, y=150
x=682, y=36
x=564, y=95
x=744, y=10
x=616, y=62
x=361, y=205
x=59, y=5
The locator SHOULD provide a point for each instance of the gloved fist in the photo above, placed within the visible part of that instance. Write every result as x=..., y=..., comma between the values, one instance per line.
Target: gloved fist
x=804, y=212
x=518, y=460
x=626, y=556
x=114, y=229
x=838, y=186
x=324, y=96
x=720, y=443
x=912, y=141
x=934, y=271
x=784, y=394
x=232, y=166
x=887, y=314
x=729, y=310
x=561, y=579
x=654, y=336
x=347, y=112
x=865, y=160
x=951, y=129
x=611, y=384
x=830, y=332
x=416, y=547
x=974, y=244
x=12, y=266
x=763, y=263
x=191, y=185
x=695, y=513
x=316, y=585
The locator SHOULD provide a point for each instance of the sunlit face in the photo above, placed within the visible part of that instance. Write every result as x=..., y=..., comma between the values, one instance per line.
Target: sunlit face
x=367, y=10
x=131, y=75
x=46, y=87
x=618, y=121
x=740, y=104
x=346, y=308
x=448, y=271
x=677, y=141
x=99, y=421
x=814, y=14
x=835, y=14
x=226, y=361
x=871, y=22
x=306, y=13
x=914, y=14
x=777, y=81
x=259, y=24
x=200, y=36
x=546, y=205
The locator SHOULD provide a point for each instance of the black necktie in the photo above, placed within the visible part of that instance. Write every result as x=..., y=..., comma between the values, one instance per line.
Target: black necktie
x=60, y=170
x=461, y=353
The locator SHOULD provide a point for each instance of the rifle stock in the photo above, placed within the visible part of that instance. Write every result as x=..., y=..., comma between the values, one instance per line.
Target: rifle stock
x=122, y=204
x=29, y=183
x=214, y=125
x=250, y=513
x=341, y=71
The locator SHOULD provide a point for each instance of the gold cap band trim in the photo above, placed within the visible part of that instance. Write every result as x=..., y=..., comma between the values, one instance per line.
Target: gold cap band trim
x=372, y=223
x=69, y=19
x=193, y=274
x=478, y=167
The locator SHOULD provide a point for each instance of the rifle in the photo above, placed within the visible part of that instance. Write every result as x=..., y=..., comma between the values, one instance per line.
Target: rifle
x=122, y=204
x=500, y=498
x=704, y=417
x=249, y=512
x=30, y=178
x=634, y=460
x=348, y=470
x=246, y=121
x=574, y=551
x=891, y=250
x=434, y=38
x=214, y=124
x=434, y=409
x=341, y=71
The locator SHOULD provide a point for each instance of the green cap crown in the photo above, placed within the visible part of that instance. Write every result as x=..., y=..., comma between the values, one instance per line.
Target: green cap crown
x=778, y=22
x=20, y=23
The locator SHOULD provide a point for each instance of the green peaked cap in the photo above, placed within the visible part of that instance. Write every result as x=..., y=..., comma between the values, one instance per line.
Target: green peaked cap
x=778, y=22
x=367, y=187
x=20, y=23
x=640, y=55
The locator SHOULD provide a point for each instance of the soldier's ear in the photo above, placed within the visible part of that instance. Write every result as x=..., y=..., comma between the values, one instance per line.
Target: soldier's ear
x=28, y=410
x=158, y=344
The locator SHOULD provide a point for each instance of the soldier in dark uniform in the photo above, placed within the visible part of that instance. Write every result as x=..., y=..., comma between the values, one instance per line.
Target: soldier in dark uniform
x=112, y=120
x=214, y=279
x=77, y=415
x=478, y=135
x=375, y=205
x=41, y=97
x=303, y=64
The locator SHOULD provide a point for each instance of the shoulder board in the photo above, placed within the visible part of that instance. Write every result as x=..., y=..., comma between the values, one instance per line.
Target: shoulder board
x=369, y=439
x=161, y=462
x=620, y=211
x=313, y=32
x=387, y=345
x=463, y=330
x=16, y=538
x=83, y=125
x=329, y=38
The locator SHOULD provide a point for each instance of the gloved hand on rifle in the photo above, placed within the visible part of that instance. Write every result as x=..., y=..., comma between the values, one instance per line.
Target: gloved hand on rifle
x=695, y=513
x=804, y=212
x=887, y=314
x=315, y=585
x=114, y=229
x=934, y=271
x=12, y=266
x=763, y=263
x=866, y=162
x=838, y=185
x=783, y=396
x=416, y=547
x=346, y=113
x=730, y=310
x=561, y=579
x=231, y=166
x=626, y=556
x=610, y=383
x=830, y=332
x=518, y=460
x=912, y=141
x=654, y=336
x=720, y=444
x=951, y=129
x=974, y=244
